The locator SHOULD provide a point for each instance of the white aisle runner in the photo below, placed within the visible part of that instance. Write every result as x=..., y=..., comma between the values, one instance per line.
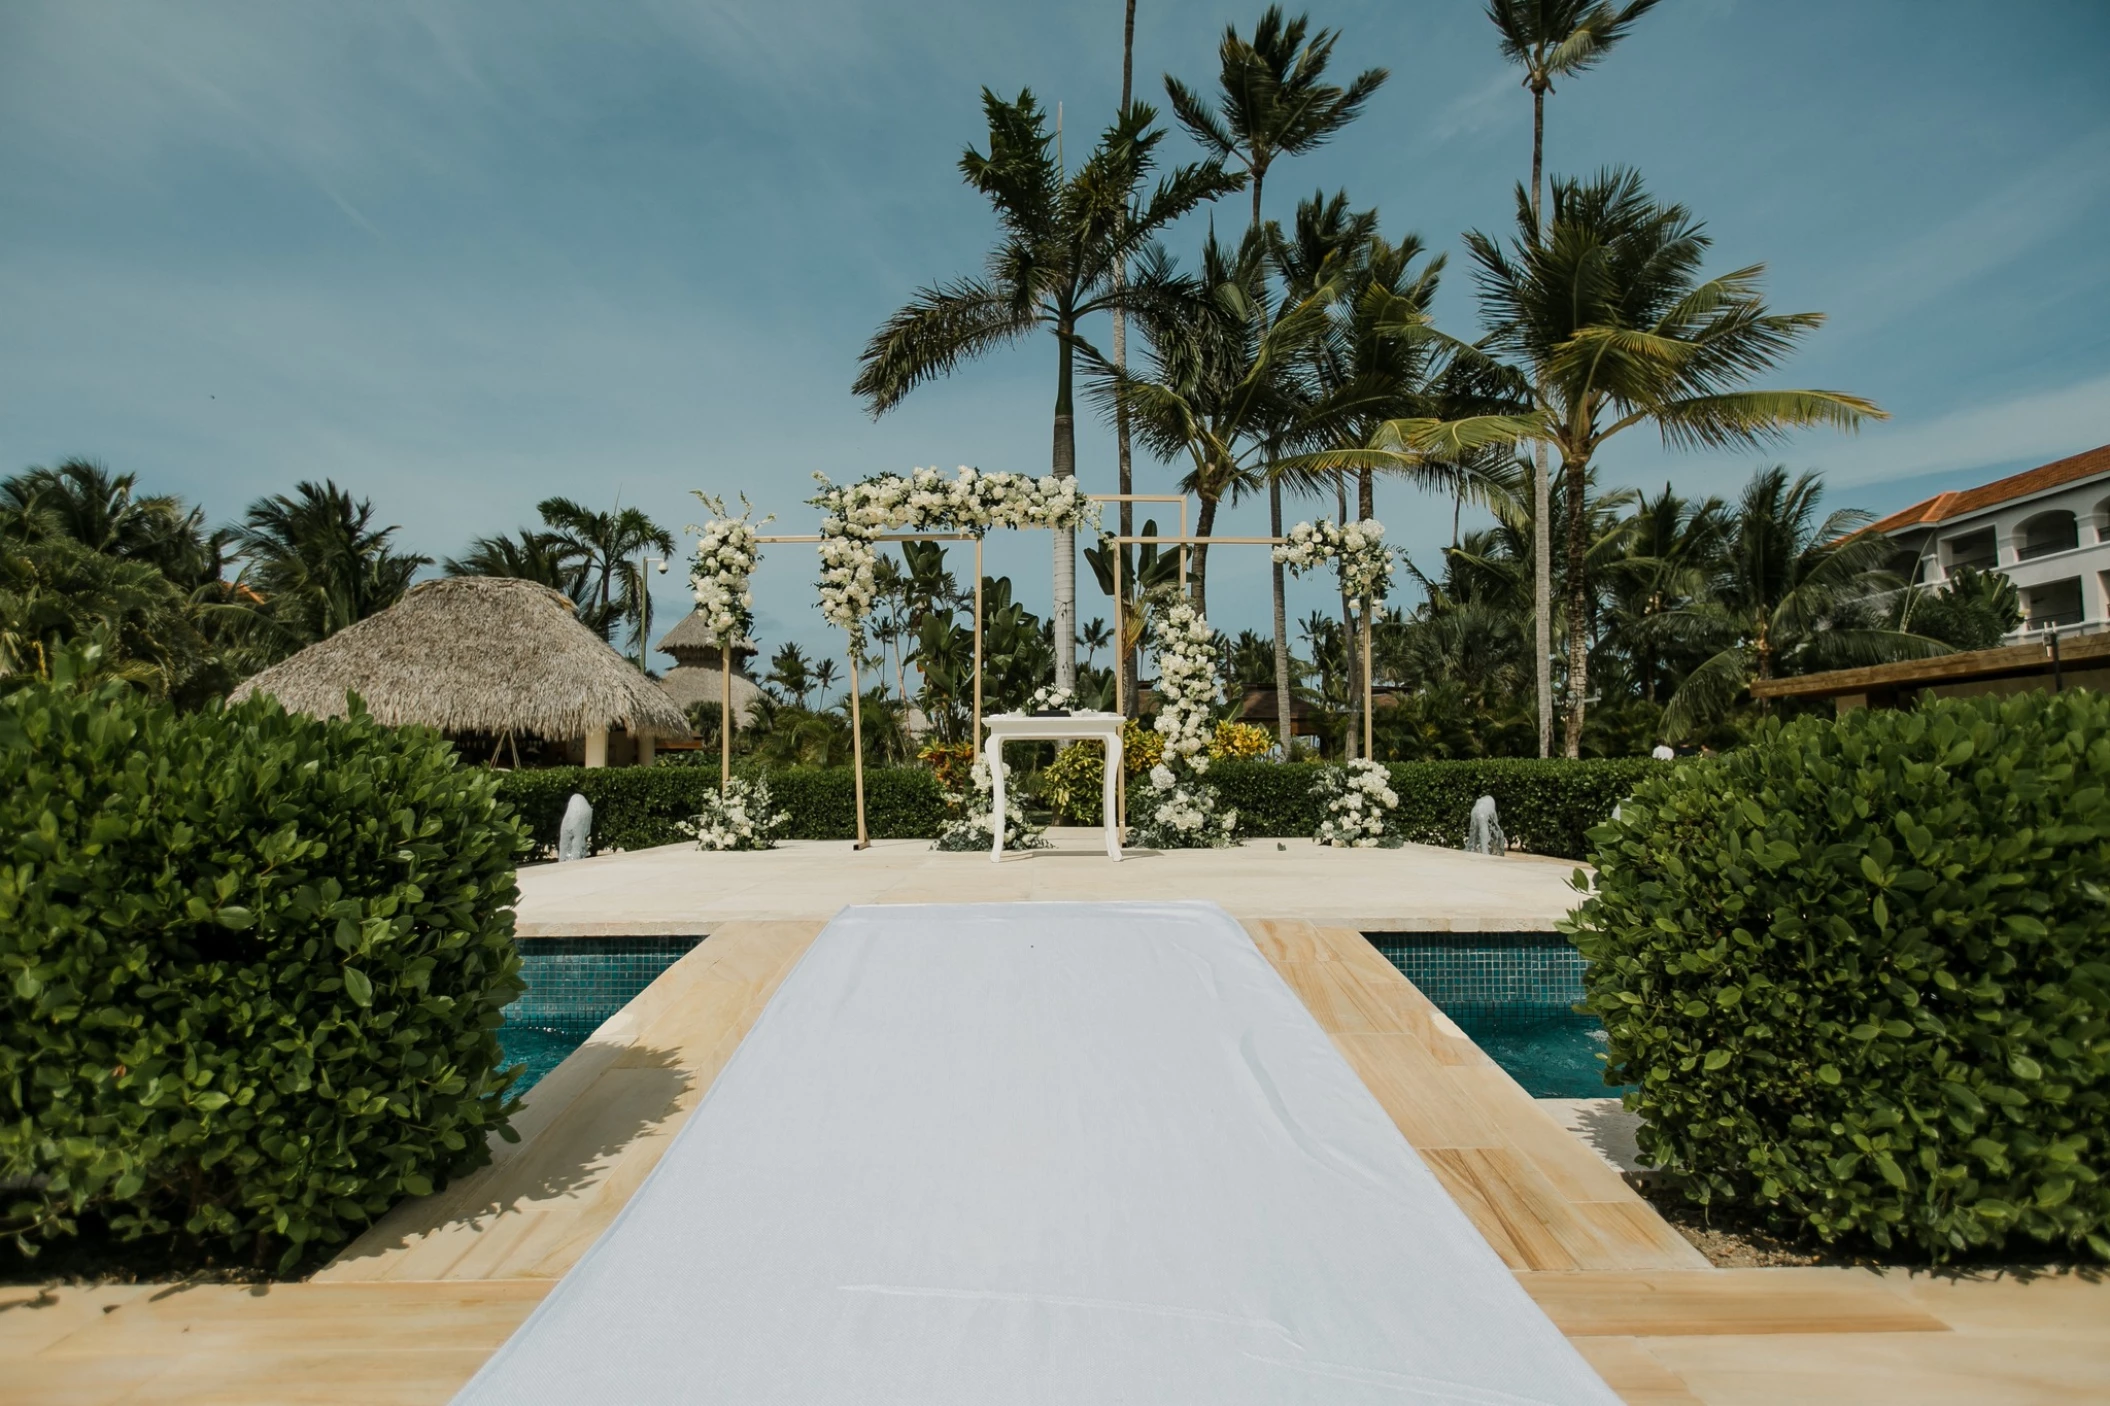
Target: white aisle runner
x=1054, y=1152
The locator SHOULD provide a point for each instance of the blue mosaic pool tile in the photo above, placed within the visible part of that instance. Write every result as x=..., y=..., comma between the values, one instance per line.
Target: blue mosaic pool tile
x=578, y=982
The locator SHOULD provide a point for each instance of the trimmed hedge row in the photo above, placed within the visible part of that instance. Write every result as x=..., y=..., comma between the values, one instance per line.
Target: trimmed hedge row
x=251, y=970
x=1860, y=973
x=638, y=807
x=1547, y=807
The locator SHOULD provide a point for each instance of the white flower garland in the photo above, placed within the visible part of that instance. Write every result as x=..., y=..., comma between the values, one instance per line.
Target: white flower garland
x=974, y=829
x=739, y=819
x=854, y=514
x=1185, y=811
x=1359, y=548
x=727, y=554
x=1360, y=807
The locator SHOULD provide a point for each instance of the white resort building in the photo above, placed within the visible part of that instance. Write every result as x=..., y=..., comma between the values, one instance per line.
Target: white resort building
x=2047, y=530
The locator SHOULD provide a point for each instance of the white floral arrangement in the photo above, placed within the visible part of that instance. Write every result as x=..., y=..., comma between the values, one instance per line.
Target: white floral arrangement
x=974, y=829
x=1358, y=547
x=1359, y=807
x=853, y=515
x=727, y=553
x=740, y=819
x=1183, y=811
x=1049, y=698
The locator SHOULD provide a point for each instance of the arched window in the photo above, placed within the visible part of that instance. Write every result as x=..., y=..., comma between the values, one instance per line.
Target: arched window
x=2055, y=531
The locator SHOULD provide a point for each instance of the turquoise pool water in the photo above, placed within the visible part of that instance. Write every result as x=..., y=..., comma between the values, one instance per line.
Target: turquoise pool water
x=573, y=984
x=1515, y=994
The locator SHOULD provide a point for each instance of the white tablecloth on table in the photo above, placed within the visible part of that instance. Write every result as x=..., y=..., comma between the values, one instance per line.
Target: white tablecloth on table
x=1053, y=1152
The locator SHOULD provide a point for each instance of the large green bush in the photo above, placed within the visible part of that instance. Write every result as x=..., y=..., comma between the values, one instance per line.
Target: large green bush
x=1859, y=972
x=1546, y=806
x=638, y=807
x=252, y=963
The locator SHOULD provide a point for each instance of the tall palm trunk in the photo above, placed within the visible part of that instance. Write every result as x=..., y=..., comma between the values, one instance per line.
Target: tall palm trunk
x=1128, y=659
x=1198, y=568
x=1351, y=747
x=1284, y=722
x=1541, y=484
x=1578, y=606
x=1065, y=539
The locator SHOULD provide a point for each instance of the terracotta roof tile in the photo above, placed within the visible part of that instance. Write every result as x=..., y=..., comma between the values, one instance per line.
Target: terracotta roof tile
x=1944, y=506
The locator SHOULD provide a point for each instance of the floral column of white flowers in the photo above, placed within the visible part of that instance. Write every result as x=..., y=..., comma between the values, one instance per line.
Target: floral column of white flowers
x=1366, y=570
x=727, y=553
x=1183, y=810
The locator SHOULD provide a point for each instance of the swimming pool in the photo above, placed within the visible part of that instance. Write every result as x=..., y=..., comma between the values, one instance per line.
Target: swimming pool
x=573, y=984
x=1515, y=993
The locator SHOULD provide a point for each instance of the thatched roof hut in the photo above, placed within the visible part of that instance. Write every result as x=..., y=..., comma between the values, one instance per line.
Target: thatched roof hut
x=699, y=671
x=476, y=654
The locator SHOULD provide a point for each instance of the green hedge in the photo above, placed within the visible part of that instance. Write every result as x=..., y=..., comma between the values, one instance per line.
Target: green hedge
x=1860, y=972
x=1546, y=806
x=637, y=807
x=252, y=967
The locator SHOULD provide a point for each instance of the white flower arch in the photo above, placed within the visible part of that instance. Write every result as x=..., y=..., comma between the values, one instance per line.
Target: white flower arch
x=854, y=515
x=1358, y=547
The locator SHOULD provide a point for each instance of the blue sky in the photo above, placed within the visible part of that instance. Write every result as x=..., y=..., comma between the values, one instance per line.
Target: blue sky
x=461, y=256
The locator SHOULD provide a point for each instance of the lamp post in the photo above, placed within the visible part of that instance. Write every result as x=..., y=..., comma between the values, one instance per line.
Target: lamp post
x=644, y=607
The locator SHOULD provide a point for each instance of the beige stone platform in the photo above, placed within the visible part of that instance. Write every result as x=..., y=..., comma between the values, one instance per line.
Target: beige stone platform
x=678, y=889
x=410, y=1311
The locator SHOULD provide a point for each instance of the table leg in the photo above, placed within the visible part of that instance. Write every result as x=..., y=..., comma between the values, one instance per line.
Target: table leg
x=995, y=752
x=1109, y=781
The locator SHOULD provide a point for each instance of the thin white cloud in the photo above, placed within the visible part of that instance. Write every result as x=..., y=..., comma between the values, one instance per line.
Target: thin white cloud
x=2002, y=226
x=1488, y=105
x=2040, y=426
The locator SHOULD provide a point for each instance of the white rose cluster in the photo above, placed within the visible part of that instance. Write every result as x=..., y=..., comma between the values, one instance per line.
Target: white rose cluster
x=741, y=819
x=975, y=827
x=727, y=553
x=1359, y=547
x=926, y=500
x=1184, y=811
x=1359, y=807
x=1049, y=698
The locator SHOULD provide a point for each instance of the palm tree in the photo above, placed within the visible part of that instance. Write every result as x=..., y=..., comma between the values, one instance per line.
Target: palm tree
x=1124, y=439
x=1064, y=236
x=790, y=670
x=1609, y=312
x=1224, y=381
x=1093, y=638
x=1788, y=597
x=1273, y=101
x=1672, y=554
x=104, y=512
x=542, y=557
x=320, y=562
x=824, y=679
x=607, y=547
x=1552, y=39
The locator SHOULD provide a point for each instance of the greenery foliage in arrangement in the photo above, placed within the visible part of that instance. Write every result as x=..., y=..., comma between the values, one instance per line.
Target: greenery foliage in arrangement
x=1860, y=973
x=252, y=967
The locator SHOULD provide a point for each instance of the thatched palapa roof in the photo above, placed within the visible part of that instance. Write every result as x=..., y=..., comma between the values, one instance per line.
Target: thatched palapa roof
x=481, y=654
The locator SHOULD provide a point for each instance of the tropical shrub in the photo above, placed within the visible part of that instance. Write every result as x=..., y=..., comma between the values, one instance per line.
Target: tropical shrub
x=252, y=966
x=1238, y=741
x=1073, y=785
x=1860, y=973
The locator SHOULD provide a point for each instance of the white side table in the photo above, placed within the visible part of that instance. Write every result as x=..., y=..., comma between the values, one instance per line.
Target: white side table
x=1019, y=727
